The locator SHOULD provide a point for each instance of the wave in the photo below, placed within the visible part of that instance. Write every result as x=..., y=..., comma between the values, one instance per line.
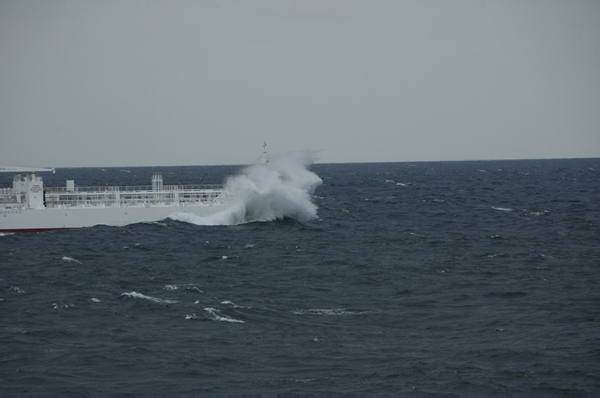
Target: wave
x=137, y=295
x=212, y=313
x=16, y=289
x=70, y=259
x=328, y=312
x=267, y=192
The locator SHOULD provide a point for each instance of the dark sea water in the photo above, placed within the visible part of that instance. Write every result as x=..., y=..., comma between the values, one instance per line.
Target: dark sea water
x=445, y=277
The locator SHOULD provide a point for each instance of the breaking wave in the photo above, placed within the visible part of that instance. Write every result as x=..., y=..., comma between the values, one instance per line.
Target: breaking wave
x=275, y=190
x=137, y=295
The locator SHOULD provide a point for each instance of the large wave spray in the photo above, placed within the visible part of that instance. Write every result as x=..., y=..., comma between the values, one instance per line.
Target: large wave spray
x=266, y=192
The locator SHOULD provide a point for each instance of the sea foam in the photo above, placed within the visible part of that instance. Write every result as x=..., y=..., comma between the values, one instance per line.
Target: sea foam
x=275, y=190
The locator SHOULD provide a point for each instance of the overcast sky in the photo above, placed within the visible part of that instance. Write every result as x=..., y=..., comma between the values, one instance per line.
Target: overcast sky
x=144, y=83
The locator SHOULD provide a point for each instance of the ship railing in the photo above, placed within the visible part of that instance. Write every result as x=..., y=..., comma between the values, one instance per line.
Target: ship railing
x=171, y=195
x=9, y=198
x=115, y=198
x=138, y=188
x=7, y=195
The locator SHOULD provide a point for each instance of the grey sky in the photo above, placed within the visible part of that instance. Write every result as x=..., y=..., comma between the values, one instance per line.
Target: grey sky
x=126, y=83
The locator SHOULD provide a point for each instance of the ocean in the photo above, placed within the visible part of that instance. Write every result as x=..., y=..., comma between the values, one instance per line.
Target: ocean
x=475, y=277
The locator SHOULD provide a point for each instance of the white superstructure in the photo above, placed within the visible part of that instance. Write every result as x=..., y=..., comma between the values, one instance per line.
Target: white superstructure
x=28, y=207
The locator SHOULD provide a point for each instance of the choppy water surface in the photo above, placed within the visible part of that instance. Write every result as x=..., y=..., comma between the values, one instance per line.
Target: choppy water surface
x=451, y=277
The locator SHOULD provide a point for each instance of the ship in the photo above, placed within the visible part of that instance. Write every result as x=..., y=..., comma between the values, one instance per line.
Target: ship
x=30, y=207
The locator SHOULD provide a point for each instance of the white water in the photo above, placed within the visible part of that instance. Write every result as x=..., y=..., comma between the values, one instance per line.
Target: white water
x=137, y=295
x=278, y=189
x=213, y=315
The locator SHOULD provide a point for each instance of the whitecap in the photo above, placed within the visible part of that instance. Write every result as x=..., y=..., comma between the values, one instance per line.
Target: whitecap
x=186, y=286
x=539, y=213
x=57, y=306
x=231, y=303
x=328, y=312
x=16, y=289
x=495, y=255
x=95, y=300
x=213, y=315
x=193, y=288
x=70, y=259
x=137, y=295
x=503, y=208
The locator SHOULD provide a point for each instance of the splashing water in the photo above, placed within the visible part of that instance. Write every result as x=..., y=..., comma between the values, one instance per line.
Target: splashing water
x=266, y=192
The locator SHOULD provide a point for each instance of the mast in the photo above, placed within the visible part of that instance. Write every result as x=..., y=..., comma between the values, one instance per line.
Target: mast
x=265, y=158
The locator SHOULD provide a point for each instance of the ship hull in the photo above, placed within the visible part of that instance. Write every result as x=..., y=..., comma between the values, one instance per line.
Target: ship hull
x=48, y=219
